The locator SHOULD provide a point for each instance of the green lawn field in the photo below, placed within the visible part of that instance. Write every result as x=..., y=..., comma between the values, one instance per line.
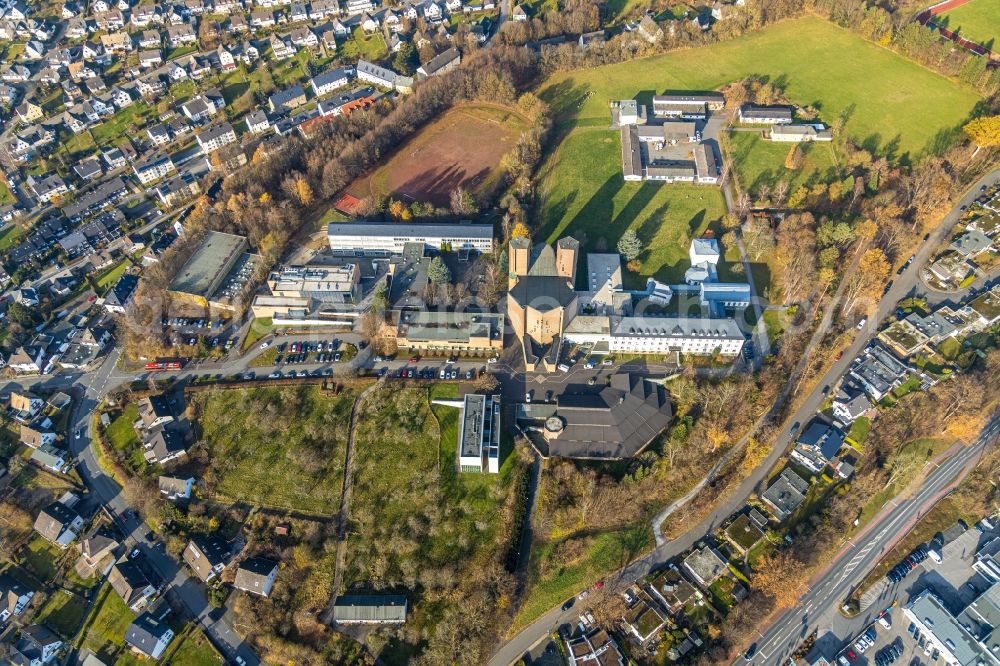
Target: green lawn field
x=260, y=454
x=762, y=162
x=584, y=195
x=63, y=612
x=890, y=104
x=978, y=20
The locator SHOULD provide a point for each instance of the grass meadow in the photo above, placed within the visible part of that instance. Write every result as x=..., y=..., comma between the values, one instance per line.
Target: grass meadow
x=276, y=447
x=890, y=104
x=584, y=195
x=758, y=161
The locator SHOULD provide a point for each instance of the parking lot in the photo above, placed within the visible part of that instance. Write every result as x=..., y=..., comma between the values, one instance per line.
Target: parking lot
x=893, y=645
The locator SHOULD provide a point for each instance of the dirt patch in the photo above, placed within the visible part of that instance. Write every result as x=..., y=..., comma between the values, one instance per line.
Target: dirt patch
x=461, y=149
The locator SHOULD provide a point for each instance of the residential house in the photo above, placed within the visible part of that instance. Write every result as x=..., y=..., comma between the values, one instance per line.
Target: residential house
x=149, y=636
x=181, y=35
x=153, y=166
x=262, y=19
x=258, y=122
x=29, y=111
x=281, y=48
x=440, y=64
x=150, y=58
x=227, y=62
x=849, y=404
x=216, y=136
x=256, y=575
x=116, y=42
x=37, y=645
x=705, y=565
x=48, y=188
x=817, y=445
x=303, y=37
x=591, y=647
x=89, y=168
x=159, y=135
x=26, y=359
x=330, y=80
x=120, y=297
x=878, y=371
x=287, y=99
x=36, y=436
x=25, y=406
x=59, y=524
x=164, y=444
x=650, y=30
x=176, y=488
x=969, y=245
x=298, y=12
x=177, y=189
x=97, y=548
x=204, y=106
x=207, y=556
x=14, y=596
x=50, y=457
x=130, y=582
x=520, y=13
x=154, y=411
x=785, y=495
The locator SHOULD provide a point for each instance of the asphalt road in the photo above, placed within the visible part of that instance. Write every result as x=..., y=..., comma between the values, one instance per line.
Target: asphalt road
x=861, y=554
x=905, y=284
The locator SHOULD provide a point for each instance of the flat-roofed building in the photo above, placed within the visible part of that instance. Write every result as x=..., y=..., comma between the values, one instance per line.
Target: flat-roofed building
x=370, y=609
x=323, y=284
x=447, y=331
x=755, y=114
x=800, y=133
x=383, y=239
x=668, y=104
x=479, y=439
x=204, y=272
x=953, y=639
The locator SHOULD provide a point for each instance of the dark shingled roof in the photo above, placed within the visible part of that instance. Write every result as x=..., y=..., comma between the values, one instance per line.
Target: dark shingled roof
x=617, y=422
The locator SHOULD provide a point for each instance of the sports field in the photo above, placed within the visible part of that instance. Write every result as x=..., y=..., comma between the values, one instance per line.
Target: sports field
x=890, y=104
x=978, y=20
x=460, y=149
x=584, y=195
x=761, y=162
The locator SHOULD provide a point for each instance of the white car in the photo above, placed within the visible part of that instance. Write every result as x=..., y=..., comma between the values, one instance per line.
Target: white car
x=527, y=396
x=885, y=621
x=492, y=359
x=861, y=324
x=265, y=345
x=607, y=361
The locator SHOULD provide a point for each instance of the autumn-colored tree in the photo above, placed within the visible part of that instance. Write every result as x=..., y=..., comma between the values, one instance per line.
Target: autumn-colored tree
x=793, y=160
x=487, y=383
x=868, y=279
x=780, y=576
x=984, y=132
x=520, y=231
x=399, y=210
x=866, y=229
x=264, y=198
x=303, y=191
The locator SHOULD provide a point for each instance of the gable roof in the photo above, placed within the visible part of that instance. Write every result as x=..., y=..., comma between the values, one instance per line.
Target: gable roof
x=204, y=552
x=129, y=581
x=53, y=519
x=145, y=632
x=253, y=573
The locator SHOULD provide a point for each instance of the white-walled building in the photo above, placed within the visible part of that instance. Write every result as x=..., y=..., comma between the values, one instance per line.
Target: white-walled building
x=479, y=439
x=383, y=239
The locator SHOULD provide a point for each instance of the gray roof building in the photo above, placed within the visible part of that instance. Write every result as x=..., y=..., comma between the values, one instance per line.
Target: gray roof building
x=786, y=494
x=370, y=609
